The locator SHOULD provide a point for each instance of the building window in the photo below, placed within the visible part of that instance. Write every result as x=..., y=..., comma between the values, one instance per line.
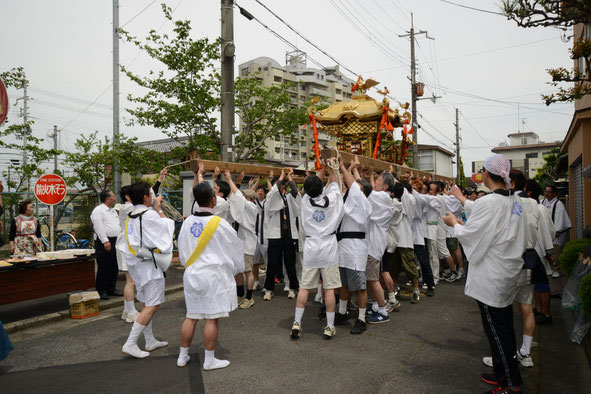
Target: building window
x=244, y=71
x=426, y=161
x=303, y=143
x=303, y=88
x=523, y=140
x=277, y=78
x=531, y=155
x=303, y=155
x=277, y=150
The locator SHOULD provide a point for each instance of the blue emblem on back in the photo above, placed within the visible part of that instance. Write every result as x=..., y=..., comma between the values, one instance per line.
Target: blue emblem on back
x=318, y=215
x=517, y=209
x=130, y=231
x=197, y=229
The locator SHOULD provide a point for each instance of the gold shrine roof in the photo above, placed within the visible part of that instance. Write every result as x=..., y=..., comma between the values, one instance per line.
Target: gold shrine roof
x=362, y=107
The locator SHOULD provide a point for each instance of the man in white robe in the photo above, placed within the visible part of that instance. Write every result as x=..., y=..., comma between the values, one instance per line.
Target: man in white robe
x=149, y=228
x=560, y=219
x=244, y=212
x=209, y=285
x=321, y=214
x=260, y=251
x=129, y=313
x=392, y=304
x=494, y=240
x=352, y=237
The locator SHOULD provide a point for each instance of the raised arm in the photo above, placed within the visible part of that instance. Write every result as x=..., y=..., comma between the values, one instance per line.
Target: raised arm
x=198, y=175
x=347, y=176
x=294, y=189
x=239, y=179
x=332, y=176
x=322, y=170
x=253, y=183
x=228, y=178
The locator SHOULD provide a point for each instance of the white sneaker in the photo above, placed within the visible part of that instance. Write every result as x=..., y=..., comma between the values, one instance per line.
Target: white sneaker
x=556, y=274
x=296, y=330
x=215, y=364
x=155, y=345
x=329, y=332
x=291, y=294
x=131, y=317
x=268, y=296
x=286, y=288
x=525, y=360
x=123, y=315
x=134, y=351
x=182, y=361
x=487, y=361
x=424, y=286
x=256, y=286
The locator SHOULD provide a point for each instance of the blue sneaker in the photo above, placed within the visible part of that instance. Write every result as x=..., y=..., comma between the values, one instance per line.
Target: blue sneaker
x=369, y=313
x=378, y=318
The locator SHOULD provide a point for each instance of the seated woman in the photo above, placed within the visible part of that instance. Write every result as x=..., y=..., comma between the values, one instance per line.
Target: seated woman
x=25, y=233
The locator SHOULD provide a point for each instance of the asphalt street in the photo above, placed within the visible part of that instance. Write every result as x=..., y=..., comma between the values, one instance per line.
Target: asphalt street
x=435, y=346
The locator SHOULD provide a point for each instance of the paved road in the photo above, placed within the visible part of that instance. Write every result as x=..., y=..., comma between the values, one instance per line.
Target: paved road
x=433, y=347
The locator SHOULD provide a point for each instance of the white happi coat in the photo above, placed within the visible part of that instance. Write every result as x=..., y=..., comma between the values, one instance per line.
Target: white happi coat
x=209, y=282
x=408, y=215
x=157, y=233
x=382, y=210
x=454, y=206
x=559, y=217
x=273, y=206
x=432, y=215
x=419, y=223
x=124, y=210
x=320, y=226
x=394, y=228
x=356, y=214
x=245, y=213
x=494, y=239
x=546, y=235
x=222, y=209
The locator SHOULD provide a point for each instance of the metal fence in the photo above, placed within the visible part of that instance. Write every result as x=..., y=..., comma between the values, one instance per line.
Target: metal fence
x=72, y=225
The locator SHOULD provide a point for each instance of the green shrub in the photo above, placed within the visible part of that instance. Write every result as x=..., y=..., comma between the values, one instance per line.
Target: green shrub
x=585, y=293
x=570, y=254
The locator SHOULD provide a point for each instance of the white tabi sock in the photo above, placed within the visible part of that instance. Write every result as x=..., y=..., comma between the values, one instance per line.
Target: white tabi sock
x=382, y=310
x=330, y=319
x=526, y=346
x=299, y=312
x=151, y=342
x=362, y=314
x=129, y=307
x=392, y=297
x=183, y=357
x=130, y=347
x=374, y=306
x=343, y=306
x=213, y=363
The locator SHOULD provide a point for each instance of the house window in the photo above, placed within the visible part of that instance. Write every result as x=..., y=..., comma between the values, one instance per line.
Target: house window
x=426, y=161
x=531, y=155
x=244, y=71
x=277, y=150
x=277, y=78
x=523, y=140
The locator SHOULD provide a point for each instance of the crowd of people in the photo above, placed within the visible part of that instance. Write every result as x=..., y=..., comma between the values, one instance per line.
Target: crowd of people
x=350, y=235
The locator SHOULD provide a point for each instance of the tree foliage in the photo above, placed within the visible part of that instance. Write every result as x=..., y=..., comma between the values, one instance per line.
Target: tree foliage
x=183, y=99
x=265, y=112
x=92, y=161
x=546, y=175
x=561, y=14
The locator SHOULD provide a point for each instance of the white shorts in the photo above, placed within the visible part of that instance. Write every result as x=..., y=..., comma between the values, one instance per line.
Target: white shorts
x=331, y=278
x=152, y=293
x=121, y=261
x=442, y=250
x=260, y=251
x=525, y=294
x=205, y=316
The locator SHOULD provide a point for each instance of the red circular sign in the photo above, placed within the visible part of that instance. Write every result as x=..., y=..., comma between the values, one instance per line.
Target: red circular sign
x=477, y=178
x=3, y=102
x=50, y=189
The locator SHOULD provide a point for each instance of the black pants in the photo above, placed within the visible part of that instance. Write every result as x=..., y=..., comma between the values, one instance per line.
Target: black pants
x=423, y=257
x=498, y=326
x=106, y=274
x=281, y=251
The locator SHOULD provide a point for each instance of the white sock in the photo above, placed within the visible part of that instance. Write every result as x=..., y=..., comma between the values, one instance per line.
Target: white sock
x=148, y=334
x=392, y=298
x=184, y=352
x=136, y=330
x=299, y=312
x=129, y=307
x=362, y=314
x=330, y=319
x=382, y=310
x=343, y=306
x=526, y=346
x=209, y=356
x=417, y=291
x=374, y=306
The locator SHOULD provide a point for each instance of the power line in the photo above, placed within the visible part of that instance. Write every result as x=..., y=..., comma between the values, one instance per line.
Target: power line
x=472, y=8
x=474, y=128
x=138, y=14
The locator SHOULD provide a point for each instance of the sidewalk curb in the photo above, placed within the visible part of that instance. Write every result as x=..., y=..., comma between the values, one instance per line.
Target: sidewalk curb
x=57, y=316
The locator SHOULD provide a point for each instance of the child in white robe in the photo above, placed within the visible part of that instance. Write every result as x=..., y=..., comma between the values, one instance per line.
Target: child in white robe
x=153, y=231
x=210, y=288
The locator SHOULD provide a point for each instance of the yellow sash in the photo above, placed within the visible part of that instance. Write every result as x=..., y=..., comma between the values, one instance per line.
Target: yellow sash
x=132, y=250
x=204, y=238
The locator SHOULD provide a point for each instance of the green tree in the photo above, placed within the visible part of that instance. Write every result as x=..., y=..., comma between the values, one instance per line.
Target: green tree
x=183, y=99
x=93, y=158
x=561, y=14
x=264, y=111
x=546, y=175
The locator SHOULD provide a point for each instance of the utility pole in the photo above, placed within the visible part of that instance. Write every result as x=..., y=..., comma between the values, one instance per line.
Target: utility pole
x=54, y=136
x=116, y=166
x=458, y=167
x=227, y=73
x=413, y=88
